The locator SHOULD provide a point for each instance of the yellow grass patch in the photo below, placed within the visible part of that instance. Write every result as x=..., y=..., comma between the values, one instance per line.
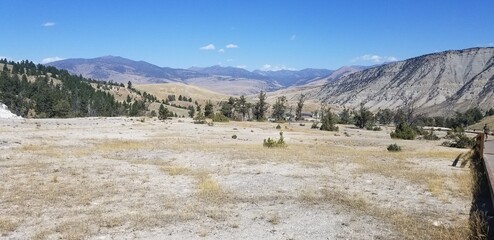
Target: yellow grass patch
x=210, y=190
x=7, y=225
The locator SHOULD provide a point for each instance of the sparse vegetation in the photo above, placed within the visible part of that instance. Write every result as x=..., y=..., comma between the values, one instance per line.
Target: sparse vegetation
x=394, y=148
x=219, y=117
x=458, y=139
x=329, y=120
x=430, y=135
x=404, y=131
x=200, y=118
x=176, y=177
x=363, y=117
x=272, y=143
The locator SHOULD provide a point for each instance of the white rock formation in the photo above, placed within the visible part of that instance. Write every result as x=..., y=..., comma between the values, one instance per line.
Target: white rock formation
x=5, y=113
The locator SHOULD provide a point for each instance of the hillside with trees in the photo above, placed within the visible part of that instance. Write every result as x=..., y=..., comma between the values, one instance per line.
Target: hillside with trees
x=31, y=90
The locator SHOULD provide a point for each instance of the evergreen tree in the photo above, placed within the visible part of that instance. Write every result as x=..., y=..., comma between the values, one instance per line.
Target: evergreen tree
x=328, y=120
x=300, y=105
x=279, y=108
x=260, y=107
x=363, y=117
x=242, y=107
x=208, y=109
x=345, y=116
x=163, y=112
x=192, y=111
x=227, y=107
x=385, y=117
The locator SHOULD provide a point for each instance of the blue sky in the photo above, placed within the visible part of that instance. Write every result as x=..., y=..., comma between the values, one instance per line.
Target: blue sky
x=268, y=35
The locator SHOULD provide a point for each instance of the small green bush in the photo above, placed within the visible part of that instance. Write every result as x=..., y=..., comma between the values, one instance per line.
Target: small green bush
x=271, y=143
x=278, y=127
x=459, y=140
x=373, y=128
x=431, y=136
x=403, y=131
x=219, y=117
x=314, y=125
x=394, y=148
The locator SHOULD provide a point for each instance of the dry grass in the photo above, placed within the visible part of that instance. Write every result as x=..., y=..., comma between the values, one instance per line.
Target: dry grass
x=210, y=190
x=7, y=225
x=274, y=218
x=408, y=225
x=43, y=149
x=176, y=170
x=73, y=230
x=94, y=189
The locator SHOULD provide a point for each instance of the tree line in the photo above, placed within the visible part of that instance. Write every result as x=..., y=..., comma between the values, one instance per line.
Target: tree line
x=31, y=90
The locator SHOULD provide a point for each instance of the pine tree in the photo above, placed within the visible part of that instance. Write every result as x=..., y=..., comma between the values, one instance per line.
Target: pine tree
x=261, y=107
x=242, y=106
x=163, y=112
x=279, y=108
x=208, y=109
x=300, y=105
x=191, y=111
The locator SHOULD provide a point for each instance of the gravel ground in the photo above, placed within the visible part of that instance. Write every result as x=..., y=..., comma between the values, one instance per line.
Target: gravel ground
x=141, y=178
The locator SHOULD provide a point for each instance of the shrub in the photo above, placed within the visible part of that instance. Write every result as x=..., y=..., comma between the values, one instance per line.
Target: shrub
x=314, y=125
x=200, y=118
x=271, y=143
x=431, y=136
x=234, y=136
x=278, y=126
x=329, y=121
x=404, y=131
x=459, y=140
x=373, y=128
x=394, y=148
x=219, y=117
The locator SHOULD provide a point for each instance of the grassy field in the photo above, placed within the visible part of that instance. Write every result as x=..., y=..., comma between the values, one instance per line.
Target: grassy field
x=128, y=178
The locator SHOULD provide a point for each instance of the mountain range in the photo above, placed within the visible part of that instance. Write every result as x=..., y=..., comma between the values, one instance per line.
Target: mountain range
x=436, y=83
x=228, y=80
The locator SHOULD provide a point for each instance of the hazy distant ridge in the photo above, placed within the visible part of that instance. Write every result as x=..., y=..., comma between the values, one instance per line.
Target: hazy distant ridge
x=118, y=69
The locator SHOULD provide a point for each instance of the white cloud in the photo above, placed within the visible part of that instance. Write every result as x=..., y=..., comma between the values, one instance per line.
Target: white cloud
x=51, y=59
x=242, y=66
x=208, y=47
x=374, y=59
x=269, y=67
x=48, y=24
x=221, y=50
x=229, y=60
x=231, y=45
x=293, y=37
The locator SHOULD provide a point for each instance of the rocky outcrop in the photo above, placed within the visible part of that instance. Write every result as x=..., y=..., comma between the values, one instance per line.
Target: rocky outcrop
x=5, y=113
x=435, y=83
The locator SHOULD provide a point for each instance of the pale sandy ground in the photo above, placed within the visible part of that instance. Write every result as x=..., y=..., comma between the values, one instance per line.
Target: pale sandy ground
x=123, y=178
